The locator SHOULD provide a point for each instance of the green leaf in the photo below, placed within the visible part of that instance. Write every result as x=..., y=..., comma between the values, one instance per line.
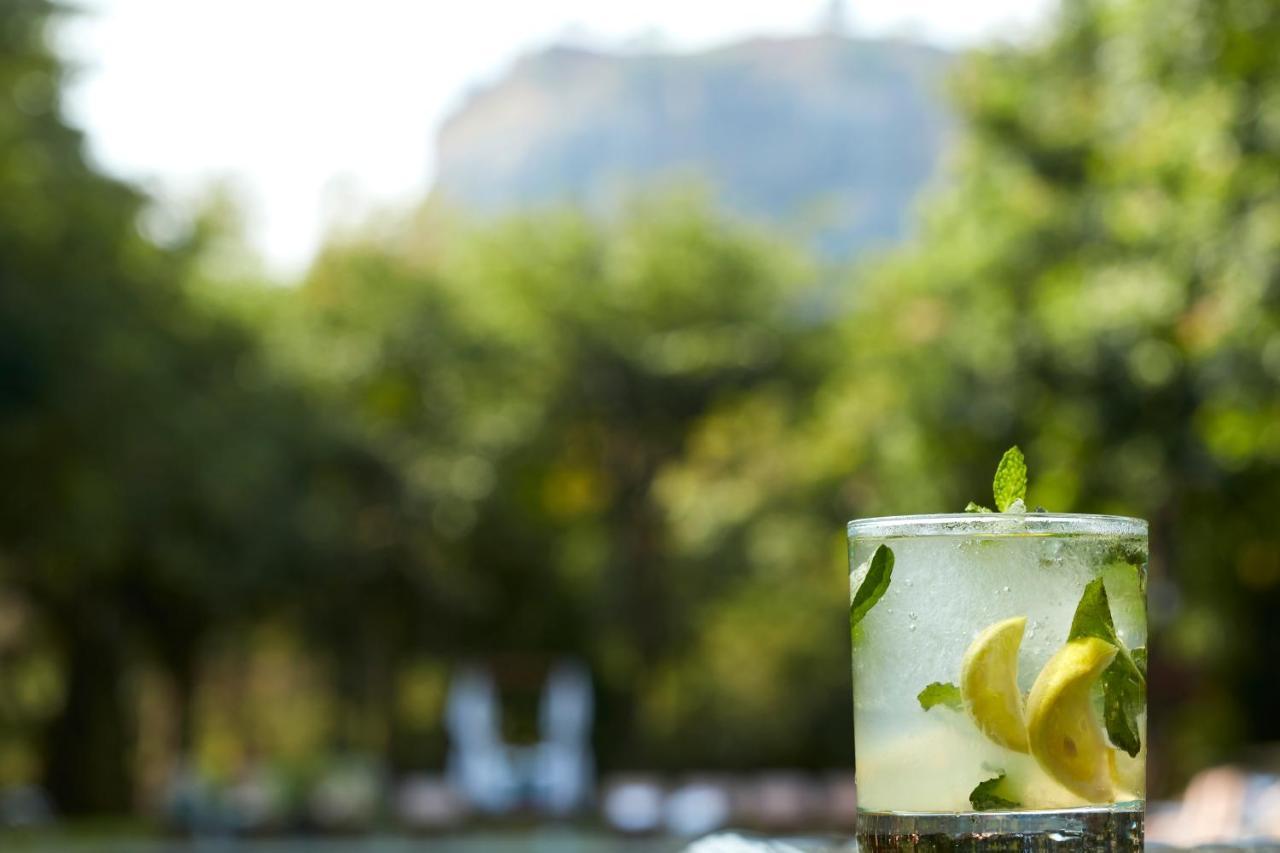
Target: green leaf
x=1011, y=479
x=874, y=584
x=1093, y=615
x=991, y=795
x=941, y=693
x=1124, y=695
x=1124, y=681
x=973, y=507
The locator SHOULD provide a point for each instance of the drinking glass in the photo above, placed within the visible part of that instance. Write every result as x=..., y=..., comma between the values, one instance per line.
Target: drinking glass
x=999, y=681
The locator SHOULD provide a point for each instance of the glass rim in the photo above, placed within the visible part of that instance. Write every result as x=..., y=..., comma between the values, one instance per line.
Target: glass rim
x=996, y=524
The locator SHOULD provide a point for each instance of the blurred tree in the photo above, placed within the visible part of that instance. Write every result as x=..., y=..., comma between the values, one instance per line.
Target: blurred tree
x=160, y=481
x=624, y=450
x=532, y=379
x=1101, y=283
x=636, y=440
x=71, y=267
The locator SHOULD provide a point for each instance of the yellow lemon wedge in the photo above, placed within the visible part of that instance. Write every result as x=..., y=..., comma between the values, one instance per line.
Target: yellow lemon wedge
x=1129, y=774
x=989, y=683
x=1065, y=736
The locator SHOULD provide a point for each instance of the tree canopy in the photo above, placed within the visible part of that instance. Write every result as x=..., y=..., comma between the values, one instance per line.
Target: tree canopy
x=635, y=439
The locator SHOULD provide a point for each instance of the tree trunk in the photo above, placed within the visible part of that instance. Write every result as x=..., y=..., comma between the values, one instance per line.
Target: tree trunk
x=87, y=769
x=184, y=670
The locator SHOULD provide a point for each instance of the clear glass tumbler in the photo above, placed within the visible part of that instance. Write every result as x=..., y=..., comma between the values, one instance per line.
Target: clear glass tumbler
x=999, y=681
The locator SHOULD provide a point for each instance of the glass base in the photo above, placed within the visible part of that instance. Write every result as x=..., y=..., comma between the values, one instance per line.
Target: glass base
x=1117, y=828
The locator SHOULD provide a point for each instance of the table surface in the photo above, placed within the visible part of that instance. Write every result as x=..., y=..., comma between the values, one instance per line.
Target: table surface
x=732, y=842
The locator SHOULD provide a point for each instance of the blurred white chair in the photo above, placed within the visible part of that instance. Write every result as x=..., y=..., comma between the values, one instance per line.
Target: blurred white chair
x=479, y=765
x=563, y=767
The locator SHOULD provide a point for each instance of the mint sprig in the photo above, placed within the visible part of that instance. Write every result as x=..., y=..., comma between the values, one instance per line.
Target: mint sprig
x=941, y=693
x=1009, y=486
x=1124, y=681
x=1011, y=479
x=991, y=795
x=879, y=571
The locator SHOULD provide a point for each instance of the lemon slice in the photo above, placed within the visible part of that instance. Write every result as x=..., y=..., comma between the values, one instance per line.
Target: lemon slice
x=1129, y=774
x=989, y=683
x=1066, y=738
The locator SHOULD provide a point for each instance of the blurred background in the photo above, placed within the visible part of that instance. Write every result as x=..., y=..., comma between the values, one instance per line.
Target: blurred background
x=425, y=420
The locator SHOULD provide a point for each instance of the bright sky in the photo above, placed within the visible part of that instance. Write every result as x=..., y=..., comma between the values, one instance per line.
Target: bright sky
x=311, y=107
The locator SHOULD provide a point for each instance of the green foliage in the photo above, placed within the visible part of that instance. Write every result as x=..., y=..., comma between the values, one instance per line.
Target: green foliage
x=873, y=584
x=1124, y=681
x=1093, y=615
x=1010, y=484
x=538, y=383
x=990, y=795
x=1098, y=279
x=1124, y=698
x=637, y=440
x=161, y=480
x=941, y=693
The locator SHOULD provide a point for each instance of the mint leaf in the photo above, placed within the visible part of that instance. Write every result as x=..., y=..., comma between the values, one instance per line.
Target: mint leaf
x=1011, y=479
x=1093, y=615
x=990, y=795
x=941, y=693
x=1124, y=694
x=1124, y=681
x=874, y=584
x=973, y=507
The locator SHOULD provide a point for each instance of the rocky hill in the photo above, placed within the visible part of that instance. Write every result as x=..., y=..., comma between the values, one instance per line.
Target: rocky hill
x=832, y=134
